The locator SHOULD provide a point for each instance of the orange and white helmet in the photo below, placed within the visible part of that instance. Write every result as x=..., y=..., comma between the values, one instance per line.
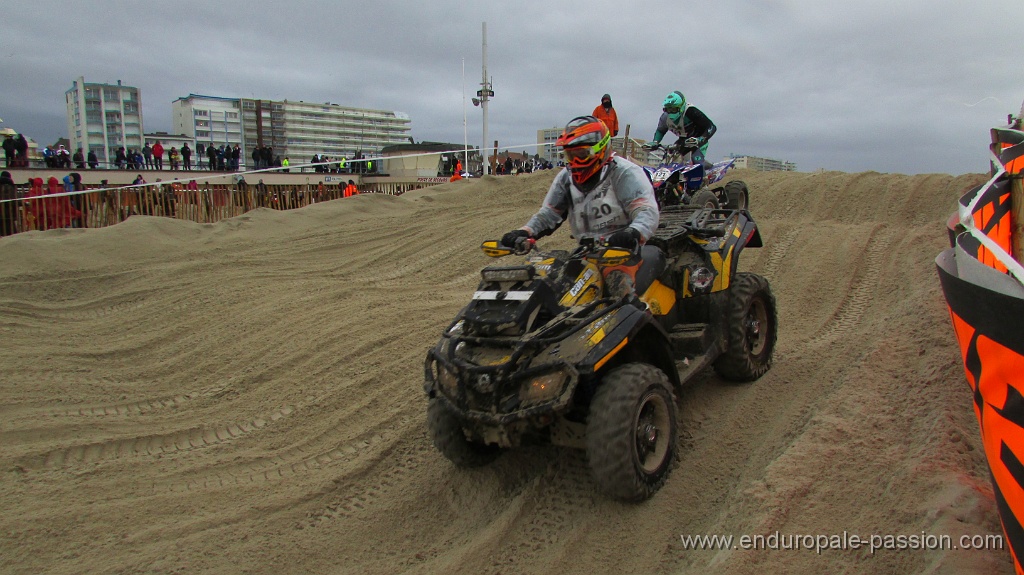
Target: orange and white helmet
x=585, y=142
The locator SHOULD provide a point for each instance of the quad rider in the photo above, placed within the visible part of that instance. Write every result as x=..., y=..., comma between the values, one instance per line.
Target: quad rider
x=606, y=199
x=687, y=122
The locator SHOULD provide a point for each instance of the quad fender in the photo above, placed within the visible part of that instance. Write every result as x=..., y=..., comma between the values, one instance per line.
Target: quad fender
x=631, y=335
x=751, y=233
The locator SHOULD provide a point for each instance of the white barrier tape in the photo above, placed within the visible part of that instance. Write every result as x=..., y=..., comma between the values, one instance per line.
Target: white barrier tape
x=221, y=175
x=966, y=214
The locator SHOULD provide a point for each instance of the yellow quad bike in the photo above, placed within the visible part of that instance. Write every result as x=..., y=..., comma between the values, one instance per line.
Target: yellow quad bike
x=542, y=354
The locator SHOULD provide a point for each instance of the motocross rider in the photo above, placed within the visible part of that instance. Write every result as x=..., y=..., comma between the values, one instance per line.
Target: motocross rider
x=687, y=122
x=605, y=198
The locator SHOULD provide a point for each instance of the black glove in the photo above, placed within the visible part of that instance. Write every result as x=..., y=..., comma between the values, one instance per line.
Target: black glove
x=509, y=240
x=628, y=238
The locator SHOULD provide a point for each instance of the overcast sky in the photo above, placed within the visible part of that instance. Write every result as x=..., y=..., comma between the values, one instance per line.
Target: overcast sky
x=907, y=86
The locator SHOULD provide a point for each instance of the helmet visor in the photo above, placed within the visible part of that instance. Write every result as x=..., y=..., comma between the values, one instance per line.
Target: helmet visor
x=579, y=154
x=671, y=109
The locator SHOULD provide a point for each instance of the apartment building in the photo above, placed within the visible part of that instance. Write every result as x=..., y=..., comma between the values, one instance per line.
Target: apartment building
x=294, y=129
x=762, y=164
x=208, y=120
x=104, y=117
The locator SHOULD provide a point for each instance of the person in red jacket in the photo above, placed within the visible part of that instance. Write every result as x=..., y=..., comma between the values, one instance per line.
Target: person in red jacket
x=158, y=155
x=606, y=113
x=350, y=190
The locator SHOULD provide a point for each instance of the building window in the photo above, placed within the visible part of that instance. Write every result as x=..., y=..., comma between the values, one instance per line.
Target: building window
x=231, y=115
x=202, y=113
x=202, y=134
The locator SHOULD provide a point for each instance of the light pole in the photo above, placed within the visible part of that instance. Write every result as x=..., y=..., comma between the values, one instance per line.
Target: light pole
x=465, y=129
x=484, y=94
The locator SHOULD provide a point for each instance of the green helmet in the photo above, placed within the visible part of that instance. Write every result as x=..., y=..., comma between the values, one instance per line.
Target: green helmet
x=673, y=105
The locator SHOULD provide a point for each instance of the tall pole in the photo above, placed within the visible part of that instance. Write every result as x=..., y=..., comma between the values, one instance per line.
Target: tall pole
x=485, y=94
x=465, y=129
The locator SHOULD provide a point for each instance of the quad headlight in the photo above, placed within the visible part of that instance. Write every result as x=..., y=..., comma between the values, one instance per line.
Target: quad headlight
x=542, y=388
x=508, y=274
x=448, y=381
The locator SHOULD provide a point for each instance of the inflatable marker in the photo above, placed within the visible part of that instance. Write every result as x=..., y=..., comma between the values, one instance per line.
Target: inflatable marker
x=984, y=289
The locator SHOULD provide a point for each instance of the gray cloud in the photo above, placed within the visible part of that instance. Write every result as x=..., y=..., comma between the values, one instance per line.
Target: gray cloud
x=909, y=86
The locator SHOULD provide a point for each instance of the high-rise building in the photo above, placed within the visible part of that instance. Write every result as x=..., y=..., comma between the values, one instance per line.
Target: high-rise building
x=103, y=118
x=209, y=120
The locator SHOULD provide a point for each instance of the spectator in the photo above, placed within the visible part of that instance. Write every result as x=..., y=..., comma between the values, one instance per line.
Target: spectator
x=606, y=113
x=284, y=165
x=158, y=155
x=236, y=157
x=200, y=155
x=211, y=154
x=21, y=151
x=186, y=156
x=8, y=203
x=79, y=159
x=57, y=212
x=93, y=160
x=120, y=159
x=173, y=158
x=147, y=153
x=63, y=157
x=9, y=152
x=257, y=155
x=351, y=190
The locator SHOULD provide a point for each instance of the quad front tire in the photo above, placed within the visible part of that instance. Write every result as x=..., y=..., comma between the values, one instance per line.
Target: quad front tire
x=632, y=432
x=704, y=199
x=751, y=330
x=450, y=440
x=736, y=195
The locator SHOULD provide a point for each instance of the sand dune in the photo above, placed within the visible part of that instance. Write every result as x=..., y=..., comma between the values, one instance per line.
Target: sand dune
x=246, y=397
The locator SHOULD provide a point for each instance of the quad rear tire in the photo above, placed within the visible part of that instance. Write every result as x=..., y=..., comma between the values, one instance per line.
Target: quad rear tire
x=632, y=432
x=752, y=329
x=450, y=440
x=705, y=199
x=737, y=195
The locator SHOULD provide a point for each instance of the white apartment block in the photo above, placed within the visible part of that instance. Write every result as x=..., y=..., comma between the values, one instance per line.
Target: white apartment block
x=762, y=164
x=208, y=120
x=550, y=152
x=336, y=130
x=103, y=118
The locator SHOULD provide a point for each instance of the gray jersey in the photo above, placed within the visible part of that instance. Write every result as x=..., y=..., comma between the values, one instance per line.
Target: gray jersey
x=622, y=198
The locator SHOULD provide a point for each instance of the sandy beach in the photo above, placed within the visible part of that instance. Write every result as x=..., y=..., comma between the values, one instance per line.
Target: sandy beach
x=246, y=397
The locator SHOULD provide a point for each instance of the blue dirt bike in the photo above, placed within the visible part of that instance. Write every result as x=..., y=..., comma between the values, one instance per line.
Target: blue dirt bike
x=677, y=180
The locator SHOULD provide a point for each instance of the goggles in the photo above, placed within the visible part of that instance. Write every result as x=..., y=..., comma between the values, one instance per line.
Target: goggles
x=579, y=154
x=584, y=153
x=671, y=109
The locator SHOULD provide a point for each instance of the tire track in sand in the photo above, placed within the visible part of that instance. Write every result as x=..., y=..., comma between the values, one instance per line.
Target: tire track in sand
x=859, y=295
x=149, y=445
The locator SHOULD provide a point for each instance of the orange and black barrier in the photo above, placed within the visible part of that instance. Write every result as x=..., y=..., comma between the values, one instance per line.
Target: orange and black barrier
x=984, y=289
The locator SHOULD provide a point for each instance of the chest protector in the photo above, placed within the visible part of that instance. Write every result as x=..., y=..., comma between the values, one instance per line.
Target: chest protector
x=680, y=128
x=597, y=213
